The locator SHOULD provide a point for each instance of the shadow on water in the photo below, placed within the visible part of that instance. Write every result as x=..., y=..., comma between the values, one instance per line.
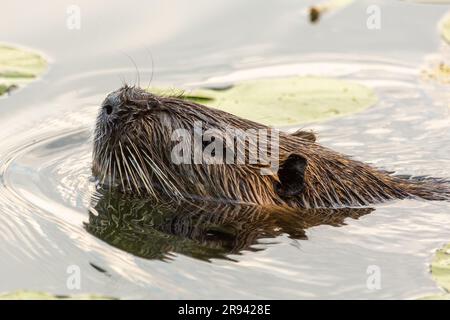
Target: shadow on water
x=200, y=230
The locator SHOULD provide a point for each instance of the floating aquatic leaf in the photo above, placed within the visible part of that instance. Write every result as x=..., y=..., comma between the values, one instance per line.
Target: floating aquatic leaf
x=440, y=271
x=3, y=89
x=18, y=67
x=440, y=268
x=445, y=28
x=437, y=297
x=33, y=295
x=285, y=101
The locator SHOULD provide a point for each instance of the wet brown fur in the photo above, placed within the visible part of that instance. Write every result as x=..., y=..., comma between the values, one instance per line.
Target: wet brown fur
x=132, y=151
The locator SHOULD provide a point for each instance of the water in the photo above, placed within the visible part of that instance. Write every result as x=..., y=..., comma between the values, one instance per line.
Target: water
x=47, y=194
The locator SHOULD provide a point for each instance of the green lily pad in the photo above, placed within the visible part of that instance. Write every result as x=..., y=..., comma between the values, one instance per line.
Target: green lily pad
x=284, y=101
x=440, y=272
x=33, y=295
x=18, y=67
x=445, y=28
x=440, y=268
x=3, y=89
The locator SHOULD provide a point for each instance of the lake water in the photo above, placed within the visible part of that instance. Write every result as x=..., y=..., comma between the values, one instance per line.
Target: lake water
x=46, y=189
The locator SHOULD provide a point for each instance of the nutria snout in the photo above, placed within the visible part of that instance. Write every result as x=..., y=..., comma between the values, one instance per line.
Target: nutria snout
x=146, y=144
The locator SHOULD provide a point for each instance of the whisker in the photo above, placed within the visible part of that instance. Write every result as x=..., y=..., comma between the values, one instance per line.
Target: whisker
x=143, y=175
x=152, y=65
x=127, y=169
x=120, y=171
x=138, y=76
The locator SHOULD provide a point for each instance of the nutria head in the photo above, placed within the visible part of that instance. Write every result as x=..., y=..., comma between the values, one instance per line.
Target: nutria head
x=156, y=146
x=139, y=147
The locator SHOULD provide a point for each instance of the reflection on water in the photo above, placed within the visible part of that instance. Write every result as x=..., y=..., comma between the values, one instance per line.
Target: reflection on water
x=200, y=230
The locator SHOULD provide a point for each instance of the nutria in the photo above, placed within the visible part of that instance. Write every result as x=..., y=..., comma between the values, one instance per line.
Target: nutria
x=133, y=151
x=156, y=229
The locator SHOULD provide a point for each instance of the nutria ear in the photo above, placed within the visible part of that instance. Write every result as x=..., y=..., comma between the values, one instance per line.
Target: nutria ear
x=291, y=175
x=305, y=135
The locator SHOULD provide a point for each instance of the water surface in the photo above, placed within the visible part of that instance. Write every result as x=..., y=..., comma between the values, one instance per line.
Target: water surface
x=47, y=195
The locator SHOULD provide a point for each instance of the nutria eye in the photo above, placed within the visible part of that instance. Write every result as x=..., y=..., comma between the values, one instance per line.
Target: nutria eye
x=108, y=109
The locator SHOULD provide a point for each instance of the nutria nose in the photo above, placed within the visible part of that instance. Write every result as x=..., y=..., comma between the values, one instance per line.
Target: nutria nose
x=111, y=104
x=108, y=109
